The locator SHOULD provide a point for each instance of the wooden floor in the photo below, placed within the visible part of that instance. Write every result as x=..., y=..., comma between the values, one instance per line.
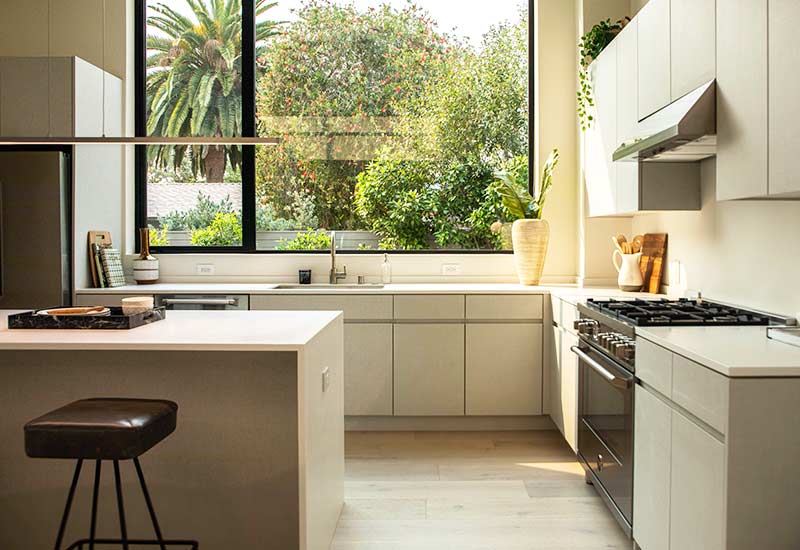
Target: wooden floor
x=469, y=491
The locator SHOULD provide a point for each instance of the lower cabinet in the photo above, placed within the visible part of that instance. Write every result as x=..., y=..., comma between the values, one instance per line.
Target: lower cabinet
x=651, y=471
x=697, y=490
x=429, y=369
x=368, y=369
x=679, y=480
x=503, y=369
x=568, y=388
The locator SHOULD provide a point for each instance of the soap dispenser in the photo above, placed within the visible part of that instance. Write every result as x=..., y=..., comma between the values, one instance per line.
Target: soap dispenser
x=386, y=270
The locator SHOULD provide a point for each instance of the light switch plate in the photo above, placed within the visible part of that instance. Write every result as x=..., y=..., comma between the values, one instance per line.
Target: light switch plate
x=451, y=269
x=206, y=269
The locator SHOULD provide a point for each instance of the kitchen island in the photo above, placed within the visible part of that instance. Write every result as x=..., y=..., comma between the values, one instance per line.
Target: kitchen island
x=257, y=459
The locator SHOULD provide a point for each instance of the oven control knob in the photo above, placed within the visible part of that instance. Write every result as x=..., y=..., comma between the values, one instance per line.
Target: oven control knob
x=586, y=326
x=626, y=351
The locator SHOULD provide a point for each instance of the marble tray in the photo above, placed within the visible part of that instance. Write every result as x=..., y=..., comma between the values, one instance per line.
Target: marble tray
x=116, y=321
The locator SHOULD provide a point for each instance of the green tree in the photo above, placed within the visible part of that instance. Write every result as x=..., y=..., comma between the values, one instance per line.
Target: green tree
x=194, y=80
x=458, y=131
x=332, y=83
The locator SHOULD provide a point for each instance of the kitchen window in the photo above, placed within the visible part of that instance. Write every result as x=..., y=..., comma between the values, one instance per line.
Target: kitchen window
x=391, y=120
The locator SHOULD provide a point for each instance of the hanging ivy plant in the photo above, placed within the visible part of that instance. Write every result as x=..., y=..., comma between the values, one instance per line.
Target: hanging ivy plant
x=590, y=46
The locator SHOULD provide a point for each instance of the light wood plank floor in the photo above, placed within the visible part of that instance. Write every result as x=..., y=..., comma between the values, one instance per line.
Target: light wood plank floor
x=469, y=491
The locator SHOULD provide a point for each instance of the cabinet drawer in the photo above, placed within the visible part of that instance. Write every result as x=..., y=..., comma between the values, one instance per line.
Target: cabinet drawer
x=700, y=391
x=505, y=307
x=427, y=307
x=354, y=307
x=654, y=366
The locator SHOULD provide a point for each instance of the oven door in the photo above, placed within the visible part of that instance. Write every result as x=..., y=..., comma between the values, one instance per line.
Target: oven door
x=605, y=429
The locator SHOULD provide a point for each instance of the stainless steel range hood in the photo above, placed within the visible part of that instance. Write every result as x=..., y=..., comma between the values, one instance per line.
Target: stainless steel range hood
x=683, y=131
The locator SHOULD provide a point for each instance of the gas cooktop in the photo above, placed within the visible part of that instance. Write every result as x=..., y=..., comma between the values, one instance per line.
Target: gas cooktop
x=682, y=312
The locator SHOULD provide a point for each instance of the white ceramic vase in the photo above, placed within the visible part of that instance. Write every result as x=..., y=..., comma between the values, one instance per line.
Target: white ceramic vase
x=530, y=238
x=630, y=274
x=145, y=267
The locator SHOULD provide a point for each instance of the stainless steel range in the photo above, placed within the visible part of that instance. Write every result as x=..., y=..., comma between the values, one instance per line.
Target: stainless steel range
x=607, y=376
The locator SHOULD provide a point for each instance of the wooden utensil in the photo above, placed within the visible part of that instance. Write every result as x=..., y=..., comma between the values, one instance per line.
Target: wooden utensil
x=616, y=243
x=654, y=249
x=638, y=241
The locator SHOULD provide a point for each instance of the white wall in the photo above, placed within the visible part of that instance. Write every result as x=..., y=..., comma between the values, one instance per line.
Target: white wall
x=743, y=252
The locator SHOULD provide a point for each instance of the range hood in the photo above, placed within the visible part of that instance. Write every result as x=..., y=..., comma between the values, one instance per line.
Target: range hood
x=683, y=131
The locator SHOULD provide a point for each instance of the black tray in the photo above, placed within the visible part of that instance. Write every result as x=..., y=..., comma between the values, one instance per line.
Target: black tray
x=116, y=321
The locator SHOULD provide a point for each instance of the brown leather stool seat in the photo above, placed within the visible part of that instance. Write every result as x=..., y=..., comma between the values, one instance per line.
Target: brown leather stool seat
x=105, y=429
x=102, y=429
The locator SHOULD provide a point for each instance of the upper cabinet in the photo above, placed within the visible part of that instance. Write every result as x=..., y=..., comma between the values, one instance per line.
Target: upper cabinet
x=742, y=116
x=64, y=67
x=784, y=89
x=625, y=188
x=601, y=137
x=654, y=57
x=757, y=131
x=693, y=59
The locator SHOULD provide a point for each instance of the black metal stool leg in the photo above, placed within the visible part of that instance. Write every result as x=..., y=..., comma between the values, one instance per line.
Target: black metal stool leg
x=95, y=494
x=122, y=528
x=149, y=502
x=70, y=496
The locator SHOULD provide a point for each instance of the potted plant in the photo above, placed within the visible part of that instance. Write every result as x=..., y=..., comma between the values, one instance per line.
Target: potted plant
x=591, y=45
x=530, y=233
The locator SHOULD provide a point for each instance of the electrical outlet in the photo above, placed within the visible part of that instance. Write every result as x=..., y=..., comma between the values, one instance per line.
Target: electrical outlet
x=326, y=379
x=451, y=269
x=206, y=269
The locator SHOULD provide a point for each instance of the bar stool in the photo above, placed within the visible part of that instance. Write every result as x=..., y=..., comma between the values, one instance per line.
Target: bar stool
x=105, y=429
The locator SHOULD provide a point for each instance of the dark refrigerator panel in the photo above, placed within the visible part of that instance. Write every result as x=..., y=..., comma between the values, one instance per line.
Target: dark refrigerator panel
x=35, y=255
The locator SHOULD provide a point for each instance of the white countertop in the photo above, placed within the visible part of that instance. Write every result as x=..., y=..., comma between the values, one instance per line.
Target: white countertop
x=731, y=351
x=564, y=291
x=184, y=331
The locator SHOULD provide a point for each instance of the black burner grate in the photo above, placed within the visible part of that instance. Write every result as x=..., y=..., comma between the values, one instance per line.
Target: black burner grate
x=681, y=312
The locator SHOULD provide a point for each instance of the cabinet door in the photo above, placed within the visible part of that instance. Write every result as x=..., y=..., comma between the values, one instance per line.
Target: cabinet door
x=504, y=369
x=742, y=117
x=569, y=388
x=601, y=138
x=697, y=495
x=693, y=44
x=784, y=89
x=651, y=471
x=654, y=57
x=368, y=369
x=555, y=380
x=627, y=196
x=429, y=370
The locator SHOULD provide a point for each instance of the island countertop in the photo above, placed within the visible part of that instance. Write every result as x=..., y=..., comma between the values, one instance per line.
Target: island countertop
x=183, y=331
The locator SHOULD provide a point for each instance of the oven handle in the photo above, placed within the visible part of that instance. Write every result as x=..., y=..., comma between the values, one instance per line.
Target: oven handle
x=200, y=301
x=616, y=381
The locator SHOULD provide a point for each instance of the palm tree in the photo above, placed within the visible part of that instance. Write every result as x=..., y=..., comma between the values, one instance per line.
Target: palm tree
x=194, y=80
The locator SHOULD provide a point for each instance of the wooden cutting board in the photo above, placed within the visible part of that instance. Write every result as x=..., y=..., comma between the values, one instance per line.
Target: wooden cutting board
x=654, y=251
x=103, y=238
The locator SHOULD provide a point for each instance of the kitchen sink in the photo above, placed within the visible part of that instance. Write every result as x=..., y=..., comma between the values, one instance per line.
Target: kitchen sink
x=325, y=286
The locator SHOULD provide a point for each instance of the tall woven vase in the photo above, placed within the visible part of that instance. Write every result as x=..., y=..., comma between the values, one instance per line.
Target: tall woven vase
x=531, y=238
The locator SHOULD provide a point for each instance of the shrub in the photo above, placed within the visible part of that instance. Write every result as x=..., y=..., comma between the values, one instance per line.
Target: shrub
x=224, y=230
x=309, y=240
x=201, y=216
x=158, y=237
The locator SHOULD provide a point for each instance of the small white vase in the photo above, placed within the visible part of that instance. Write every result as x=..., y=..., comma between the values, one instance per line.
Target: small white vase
x=145, y=267
x=630, y=274
x=530, y=238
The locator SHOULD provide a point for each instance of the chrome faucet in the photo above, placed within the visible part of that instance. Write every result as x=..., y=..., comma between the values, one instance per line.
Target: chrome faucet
x=336, y=276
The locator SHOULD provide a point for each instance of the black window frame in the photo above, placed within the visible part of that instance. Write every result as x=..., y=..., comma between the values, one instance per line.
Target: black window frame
x=248, y=170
